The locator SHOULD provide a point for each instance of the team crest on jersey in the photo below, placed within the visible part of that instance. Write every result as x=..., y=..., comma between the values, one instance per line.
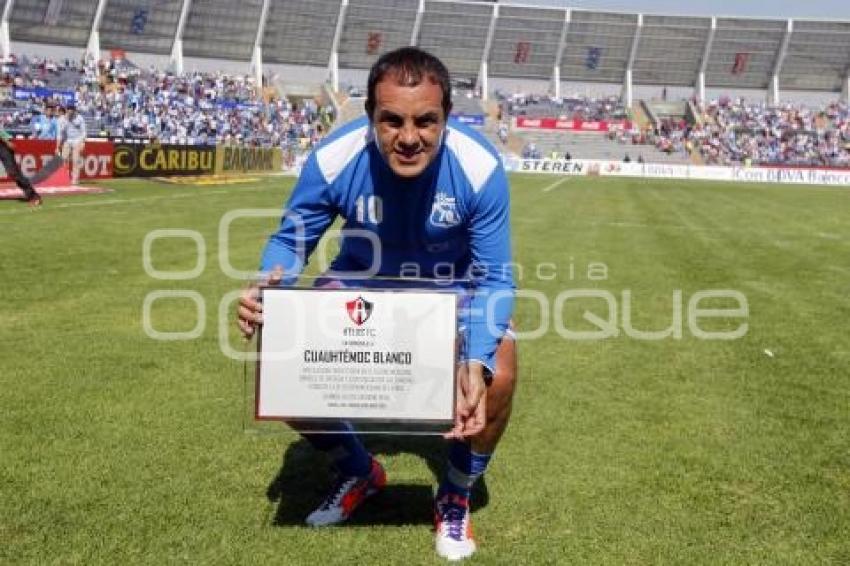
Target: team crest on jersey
x=444, y=212
x=359, y=310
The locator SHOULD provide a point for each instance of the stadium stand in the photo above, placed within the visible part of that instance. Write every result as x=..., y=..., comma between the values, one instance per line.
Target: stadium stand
x=737, y=131
x=455, y=35
x=598, y=46
x=134, y=25
x=479, y=40
x=222, y=30
x=372, y=27
x=120, y=100
x=62, y=23
x=573, y=107
x=300, y=32
x=670, y=49
x=547, y=50
x=514, y=53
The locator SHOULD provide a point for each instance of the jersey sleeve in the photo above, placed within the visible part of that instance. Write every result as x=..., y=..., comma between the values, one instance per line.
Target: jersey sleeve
x=492, y=298
x=309, y=212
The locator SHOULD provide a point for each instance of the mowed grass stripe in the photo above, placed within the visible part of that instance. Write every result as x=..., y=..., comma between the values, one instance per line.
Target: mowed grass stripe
x=119, y=448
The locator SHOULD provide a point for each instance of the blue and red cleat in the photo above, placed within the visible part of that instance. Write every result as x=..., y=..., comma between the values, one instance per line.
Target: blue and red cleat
x=347, y=494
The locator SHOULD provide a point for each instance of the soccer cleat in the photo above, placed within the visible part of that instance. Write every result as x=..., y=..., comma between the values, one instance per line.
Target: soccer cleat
x=34, y=202
x=347, y=495
x=453, y=528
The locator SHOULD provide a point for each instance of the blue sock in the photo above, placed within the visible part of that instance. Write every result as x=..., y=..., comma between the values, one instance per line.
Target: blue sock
x=465, y=467
x=345, y=449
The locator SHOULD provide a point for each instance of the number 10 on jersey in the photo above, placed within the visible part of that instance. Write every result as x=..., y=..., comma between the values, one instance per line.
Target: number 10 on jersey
x=369, y=209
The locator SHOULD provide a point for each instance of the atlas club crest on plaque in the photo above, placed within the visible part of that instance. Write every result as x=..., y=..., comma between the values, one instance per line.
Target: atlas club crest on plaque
x=359, y=310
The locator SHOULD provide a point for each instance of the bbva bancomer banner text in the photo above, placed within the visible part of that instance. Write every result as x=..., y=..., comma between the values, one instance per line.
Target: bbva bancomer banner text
x=789, y=175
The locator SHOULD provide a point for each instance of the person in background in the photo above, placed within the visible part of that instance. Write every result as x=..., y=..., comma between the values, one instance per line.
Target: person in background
x=7, y=156
x=71, y=140
x=44, y=128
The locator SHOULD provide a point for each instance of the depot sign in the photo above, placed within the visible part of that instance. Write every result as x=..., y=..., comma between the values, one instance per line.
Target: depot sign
x=32, y=155
x=161, y=160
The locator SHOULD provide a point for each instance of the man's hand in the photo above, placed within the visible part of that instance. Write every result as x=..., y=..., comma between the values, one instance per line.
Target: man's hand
x=471, y=410
x=250, y=311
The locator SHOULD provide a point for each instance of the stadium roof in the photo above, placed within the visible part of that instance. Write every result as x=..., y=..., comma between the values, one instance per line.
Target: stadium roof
x=474, y=39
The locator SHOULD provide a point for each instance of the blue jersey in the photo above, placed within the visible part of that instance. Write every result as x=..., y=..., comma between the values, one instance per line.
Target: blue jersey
x=450, y=221
x=44, y=128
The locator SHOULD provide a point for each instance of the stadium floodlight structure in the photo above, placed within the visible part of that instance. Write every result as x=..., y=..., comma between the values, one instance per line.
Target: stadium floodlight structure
x=476, y=39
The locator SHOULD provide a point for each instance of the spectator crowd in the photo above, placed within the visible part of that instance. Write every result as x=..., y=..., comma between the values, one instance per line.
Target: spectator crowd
x=737, y=132
x=121, y=100
x=576, y=107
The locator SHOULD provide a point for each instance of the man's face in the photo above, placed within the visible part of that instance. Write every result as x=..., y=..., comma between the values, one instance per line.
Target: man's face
x=409, y=122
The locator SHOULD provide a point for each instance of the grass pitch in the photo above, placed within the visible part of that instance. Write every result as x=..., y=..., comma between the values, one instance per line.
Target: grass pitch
x=116, y=448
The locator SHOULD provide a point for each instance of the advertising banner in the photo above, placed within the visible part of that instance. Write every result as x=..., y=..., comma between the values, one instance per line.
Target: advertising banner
x=32, y=155
x=470, y=119
x=162, y=160
x=556, y=166
x=807, y=176
x=570, y=125
x=29, y=92
x=236, y=160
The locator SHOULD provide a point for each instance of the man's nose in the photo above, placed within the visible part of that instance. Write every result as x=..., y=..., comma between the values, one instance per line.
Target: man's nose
x=408, y=136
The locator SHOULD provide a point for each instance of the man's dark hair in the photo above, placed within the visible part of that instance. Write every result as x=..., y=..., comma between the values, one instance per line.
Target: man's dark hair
x=410, y=66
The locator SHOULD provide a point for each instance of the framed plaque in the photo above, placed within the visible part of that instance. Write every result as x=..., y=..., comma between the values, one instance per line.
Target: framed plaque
x=358, y=355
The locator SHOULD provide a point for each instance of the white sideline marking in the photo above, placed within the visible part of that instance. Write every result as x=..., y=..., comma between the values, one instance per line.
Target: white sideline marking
x=557, y=183
x=49, y=206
